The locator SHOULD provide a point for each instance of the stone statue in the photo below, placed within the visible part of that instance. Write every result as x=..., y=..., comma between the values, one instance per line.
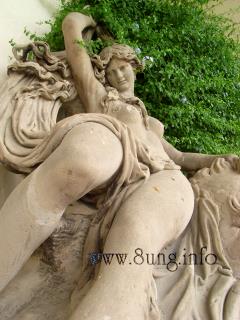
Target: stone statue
x=100, y=179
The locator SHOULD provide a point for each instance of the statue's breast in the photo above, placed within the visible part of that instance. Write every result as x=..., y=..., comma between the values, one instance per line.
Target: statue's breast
x=125, y=112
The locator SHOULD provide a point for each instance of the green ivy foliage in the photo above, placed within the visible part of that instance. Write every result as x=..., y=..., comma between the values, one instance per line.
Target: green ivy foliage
x=191, y=79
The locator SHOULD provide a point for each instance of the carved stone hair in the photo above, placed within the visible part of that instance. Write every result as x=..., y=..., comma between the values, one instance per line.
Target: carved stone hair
x=120, y=51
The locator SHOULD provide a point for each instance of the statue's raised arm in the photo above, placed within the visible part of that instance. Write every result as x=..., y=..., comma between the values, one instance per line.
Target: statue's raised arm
x=90, y=90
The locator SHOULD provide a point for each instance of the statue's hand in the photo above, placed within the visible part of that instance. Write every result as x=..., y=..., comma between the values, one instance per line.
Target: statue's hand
x=89, y=20
x=77, y=26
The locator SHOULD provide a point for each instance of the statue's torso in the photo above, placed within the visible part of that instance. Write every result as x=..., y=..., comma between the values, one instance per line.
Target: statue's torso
x=131, y=116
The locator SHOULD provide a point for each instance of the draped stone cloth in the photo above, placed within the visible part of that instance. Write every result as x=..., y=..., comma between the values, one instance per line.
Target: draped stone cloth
x=29, y=105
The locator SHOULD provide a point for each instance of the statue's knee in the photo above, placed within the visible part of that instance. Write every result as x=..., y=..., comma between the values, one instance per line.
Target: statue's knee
x=78, y=165
x=91, y=150
x=82, y=162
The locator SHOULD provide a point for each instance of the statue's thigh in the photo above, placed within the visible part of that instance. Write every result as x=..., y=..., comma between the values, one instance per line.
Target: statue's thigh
x=155, y=214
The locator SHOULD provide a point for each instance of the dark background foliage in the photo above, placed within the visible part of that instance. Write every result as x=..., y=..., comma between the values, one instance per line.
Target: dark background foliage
x=191, y=79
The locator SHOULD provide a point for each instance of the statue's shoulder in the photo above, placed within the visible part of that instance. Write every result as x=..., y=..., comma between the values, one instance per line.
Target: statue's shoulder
x=156, y=126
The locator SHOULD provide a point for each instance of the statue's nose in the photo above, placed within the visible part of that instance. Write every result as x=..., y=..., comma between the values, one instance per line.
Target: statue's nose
x=119, y=74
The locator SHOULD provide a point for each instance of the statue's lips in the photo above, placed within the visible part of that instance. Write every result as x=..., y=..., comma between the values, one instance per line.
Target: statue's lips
x=122, y=82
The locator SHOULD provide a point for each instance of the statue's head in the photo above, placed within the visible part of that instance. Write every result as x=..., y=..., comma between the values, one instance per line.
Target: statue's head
x=221, y=185
x=115, y=66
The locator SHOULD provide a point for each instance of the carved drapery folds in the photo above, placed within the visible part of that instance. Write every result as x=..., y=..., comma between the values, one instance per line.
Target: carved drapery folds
x=38, y=85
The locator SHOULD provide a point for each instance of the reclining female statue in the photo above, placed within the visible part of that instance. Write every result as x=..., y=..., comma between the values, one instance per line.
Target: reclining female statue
x=113, y=156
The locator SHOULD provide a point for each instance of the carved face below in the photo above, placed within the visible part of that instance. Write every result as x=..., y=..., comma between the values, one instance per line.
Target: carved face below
x=223, y=185
x=120, y=75
x=229, y=227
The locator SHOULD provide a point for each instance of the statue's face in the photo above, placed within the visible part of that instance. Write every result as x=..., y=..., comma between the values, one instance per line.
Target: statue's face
x=120, y=75
x=224, y=186
x=229, y=225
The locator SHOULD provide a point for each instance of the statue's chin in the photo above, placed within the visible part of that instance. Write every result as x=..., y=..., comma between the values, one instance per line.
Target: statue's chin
x=123, y=88
x=231, y=241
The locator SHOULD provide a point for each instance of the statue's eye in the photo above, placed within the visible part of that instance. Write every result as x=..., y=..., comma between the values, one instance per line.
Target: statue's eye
x=122, y=68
